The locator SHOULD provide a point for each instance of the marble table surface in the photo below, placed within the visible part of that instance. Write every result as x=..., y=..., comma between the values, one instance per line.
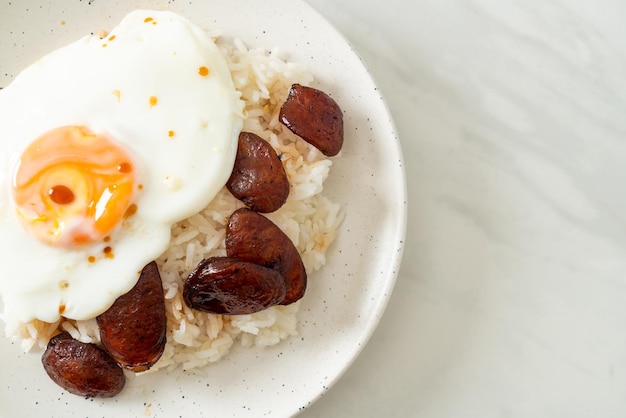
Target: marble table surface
x=511, y=299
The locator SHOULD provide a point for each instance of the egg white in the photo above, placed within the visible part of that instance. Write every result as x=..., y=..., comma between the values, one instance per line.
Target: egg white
x=183, y=148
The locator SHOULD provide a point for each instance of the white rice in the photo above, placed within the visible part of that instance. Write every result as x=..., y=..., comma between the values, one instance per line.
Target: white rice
x=195, y=339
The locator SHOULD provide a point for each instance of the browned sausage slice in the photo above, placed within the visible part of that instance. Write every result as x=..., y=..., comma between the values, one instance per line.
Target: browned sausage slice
x=227, y=285
x=133, y=329
x=258, y=178
x=252, y=237
x=82, y=369
x=315, y=117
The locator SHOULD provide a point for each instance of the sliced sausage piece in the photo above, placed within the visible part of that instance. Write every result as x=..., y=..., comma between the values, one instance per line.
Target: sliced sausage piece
x=133, y=329
x=82, y=369
x=258, y=178
x=252, y=237
x=315, y=117
x=227, y=285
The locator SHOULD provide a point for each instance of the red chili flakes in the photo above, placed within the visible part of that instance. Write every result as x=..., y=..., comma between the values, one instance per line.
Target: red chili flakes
x=132, y=209
x=125, y=167
x=61, y=195
x=203, y=71
x=108, y=252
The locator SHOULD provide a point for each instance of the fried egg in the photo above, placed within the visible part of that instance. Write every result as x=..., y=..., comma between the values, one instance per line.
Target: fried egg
x=105, y=143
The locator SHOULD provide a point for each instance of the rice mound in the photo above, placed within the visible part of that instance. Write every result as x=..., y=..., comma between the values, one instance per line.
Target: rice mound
x=310, y=220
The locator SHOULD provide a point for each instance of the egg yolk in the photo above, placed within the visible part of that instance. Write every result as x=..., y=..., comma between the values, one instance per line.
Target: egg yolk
x=72, y=186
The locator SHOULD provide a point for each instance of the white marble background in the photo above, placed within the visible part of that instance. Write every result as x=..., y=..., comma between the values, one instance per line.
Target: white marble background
x=511, y=299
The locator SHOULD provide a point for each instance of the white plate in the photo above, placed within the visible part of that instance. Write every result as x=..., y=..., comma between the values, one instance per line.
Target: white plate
x=344, y=300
